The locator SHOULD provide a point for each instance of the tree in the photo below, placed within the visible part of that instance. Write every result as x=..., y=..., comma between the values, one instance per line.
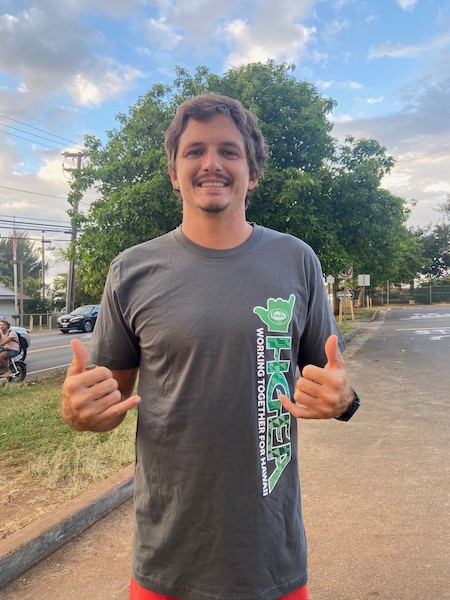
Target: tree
x=327, y=194
x=58, y=291
x=30, y=258
x=435, y=240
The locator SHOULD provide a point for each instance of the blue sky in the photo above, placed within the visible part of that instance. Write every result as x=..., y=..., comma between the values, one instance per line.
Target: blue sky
x=67, y=68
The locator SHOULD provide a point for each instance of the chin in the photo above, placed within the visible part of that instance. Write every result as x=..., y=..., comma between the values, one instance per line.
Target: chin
x=213, y=209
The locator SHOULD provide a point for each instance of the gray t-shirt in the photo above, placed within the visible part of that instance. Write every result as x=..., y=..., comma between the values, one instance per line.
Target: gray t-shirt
x=217, y=336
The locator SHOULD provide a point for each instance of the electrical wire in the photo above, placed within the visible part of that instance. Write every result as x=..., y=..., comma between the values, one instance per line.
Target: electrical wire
x=4, y=187
x=28, y=140
x=41, y=130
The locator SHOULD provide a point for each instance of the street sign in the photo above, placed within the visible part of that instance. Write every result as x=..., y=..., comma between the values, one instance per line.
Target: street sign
x=347, y=294
x=346, y=274
x=330, y=279
x=364, y=280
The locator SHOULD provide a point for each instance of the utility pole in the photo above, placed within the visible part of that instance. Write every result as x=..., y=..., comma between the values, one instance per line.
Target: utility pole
x=42, y=249
x=70, y=294
x=14, y=258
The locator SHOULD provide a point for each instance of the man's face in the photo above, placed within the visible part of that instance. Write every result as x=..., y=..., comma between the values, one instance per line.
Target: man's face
x=211, y=169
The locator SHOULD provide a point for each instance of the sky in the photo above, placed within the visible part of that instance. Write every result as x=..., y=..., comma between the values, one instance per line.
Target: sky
x=68, y=68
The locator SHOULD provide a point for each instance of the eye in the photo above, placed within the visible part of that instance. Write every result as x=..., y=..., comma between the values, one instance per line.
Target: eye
x=193, y=153
x=230, y=153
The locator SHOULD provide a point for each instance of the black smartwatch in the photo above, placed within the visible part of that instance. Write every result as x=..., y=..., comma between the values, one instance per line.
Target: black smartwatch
x=354, y=405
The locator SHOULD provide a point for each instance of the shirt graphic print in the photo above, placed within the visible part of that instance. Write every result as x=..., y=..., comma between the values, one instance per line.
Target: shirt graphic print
x=273, y=361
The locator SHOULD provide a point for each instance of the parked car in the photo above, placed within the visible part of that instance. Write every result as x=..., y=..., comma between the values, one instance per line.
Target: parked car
x=82, y=318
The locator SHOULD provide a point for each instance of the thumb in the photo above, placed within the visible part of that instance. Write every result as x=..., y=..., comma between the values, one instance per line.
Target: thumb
x=334, y=358
x=80, y=358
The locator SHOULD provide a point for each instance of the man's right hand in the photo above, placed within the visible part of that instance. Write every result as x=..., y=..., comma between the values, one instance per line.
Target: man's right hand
x=92, y=400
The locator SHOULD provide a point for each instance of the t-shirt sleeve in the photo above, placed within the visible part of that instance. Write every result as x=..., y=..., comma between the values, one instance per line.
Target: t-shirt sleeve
x=320, y=322
x=114, y=344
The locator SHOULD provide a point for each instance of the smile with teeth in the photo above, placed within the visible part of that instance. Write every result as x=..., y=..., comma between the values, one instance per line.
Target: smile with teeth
x=212, y=184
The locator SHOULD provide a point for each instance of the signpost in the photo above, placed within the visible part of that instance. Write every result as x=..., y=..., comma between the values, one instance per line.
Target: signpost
x=363, y=281
x=345, y=275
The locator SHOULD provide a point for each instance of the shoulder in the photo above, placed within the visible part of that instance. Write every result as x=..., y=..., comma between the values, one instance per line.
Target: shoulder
x=143, y=249
x=287, y=242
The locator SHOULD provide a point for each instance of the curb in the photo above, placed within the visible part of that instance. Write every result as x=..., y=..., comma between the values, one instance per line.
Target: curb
x=23, y=549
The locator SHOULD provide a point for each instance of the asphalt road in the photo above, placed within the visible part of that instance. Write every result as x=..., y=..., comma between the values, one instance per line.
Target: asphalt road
x=50, y=351
x=375, y=491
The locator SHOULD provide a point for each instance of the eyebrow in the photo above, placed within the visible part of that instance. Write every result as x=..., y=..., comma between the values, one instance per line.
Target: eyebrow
x=227, y=144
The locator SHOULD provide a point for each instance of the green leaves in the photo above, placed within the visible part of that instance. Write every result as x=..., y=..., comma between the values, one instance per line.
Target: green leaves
x=328, y=194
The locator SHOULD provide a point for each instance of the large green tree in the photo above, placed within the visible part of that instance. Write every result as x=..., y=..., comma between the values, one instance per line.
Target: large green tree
x=28, y=255
x=314, y=188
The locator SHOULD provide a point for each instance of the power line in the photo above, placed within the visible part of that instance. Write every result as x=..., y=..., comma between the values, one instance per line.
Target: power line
x=34, y=219
x=40, y=194
x=28, y=140
x=8, y=237
x=8, y=222
x=33, y=134
x=41, y=130
x=4, y=187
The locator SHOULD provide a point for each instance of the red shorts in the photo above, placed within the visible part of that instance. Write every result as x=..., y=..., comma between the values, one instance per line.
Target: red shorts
x=139, y=593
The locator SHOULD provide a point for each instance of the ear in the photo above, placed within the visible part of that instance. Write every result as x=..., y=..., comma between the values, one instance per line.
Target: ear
x=174, y=180
x=253, y=182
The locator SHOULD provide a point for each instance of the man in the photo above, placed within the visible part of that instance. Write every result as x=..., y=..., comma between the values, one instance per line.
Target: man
x=9, y=347
x=216, y=316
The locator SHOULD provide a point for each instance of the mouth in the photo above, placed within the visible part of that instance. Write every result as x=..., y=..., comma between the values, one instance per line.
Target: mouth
x=212, y=183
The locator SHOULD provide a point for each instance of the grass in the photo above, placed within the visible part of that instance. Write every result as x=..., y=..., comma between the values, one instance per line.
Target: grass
x=39, y=453
x=360, y=315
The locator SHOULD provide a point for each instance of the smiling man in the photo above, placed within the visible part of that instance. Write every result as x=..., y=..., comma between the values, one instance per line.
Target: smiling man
x=215, y=316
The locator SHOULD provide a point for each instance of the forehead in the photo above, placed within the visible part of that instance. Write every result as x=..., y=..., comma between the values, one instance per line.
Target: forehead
x=217, y=129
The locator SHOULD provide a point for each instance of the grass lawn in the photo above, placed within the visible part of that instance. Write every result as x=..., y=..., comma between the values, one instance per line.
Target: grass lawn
x=43, y=462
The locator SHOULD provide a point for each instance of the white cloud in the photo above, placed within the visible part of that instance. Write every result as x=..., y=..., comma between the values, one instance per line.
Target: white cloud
x=439, y=186
x=407, y=4
x=163, y=34
x=48, y=50
x=253, y=44
x=344, y=85
x=92, y=89
x=274, y=31
x=436, y=44
x=375, y=100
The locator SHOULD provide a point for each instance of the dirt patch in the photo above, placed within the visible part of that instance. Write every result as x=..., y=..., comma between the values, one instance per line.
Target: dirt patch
x=22, y=501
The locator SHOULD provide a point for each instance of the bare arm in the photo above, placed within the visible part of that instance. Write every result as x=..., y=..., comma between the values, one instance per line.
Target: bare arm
x=97, y=399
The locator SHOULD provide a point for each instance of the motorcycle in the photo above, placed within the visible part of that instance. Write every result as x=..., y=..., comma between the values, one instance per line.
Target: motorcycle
x=18, y=368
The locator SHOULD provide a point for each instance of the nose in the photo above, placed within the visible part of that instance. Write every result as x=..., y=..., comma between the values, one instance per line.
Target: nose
x=212, y=160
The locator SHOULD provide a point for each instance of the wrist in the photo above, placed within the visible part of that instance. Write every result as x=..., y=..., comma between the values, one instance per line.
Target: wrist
x=351, y=408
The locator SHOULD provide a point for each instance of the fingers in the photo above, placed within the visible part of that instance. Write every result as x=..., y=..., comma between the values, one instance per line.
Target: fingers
x=92, y=400
x=334, y=358
x=80, y=358
x=299, y=411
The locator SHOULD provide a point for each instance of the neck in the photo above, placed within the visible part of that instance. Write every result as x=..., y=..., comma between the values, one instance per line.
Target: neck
x=217, y=234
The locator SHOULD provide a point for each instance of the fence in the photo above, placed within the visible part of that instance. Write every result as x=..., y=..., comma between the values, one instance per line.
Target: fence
x=38, y=321
x=431, y=295
x=437, y=294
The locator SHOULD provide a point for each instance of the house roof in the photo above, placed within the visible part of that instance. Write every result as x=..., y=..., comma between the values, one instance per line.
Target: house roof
x=8, y=294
